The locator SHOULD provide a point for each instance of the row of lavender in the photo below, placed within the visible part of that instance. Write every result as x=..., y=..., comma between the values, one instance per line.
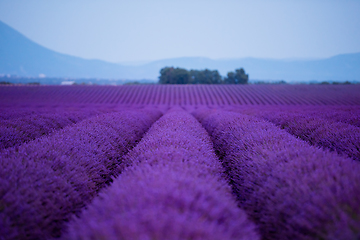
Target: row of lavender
x=172, y=185
x=334, y=128
x=210, y=95
x=173, y=188
x=343, y=114
x=289, y=188
x=47, y=180
x=18, y=127
x=21, y=125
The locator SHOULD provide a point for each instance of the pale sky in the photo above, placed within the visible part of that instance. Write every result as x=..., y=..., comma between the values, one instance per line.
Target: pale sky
x=136, y=30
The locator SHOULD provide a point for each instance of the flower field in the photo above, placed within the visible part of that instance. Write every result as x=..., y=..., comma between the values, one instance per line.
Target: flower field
x=180, y=162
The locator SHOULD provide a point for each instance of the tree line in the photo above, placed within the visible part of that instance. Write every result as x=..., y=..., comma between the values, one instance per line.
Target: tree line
x=171, y=75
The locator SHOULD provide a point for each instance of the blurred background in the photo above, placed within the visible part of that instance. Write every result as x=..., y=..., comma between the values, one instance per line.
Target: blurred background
x=117, y=42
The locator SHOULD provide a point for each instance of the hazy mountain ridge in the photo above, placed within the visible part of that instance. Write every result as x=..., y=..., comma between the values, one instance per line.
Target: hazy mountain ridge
x=21, y=56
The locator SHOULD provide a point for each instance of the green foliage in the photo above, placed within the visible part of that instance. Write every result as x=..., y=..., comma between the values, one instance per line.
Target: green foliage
x=171, y=75
x=237, y=77
x=338, y=83
x=205, y=77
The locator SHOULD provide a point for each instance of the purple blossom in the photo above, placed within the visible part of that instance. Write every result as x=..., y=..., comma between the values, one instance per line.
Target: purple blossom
x=15, y=131
x=45, y=181
x=67, y=158
x=209, y=95
x=289, y=188
x=317, y=127
x=173, y=188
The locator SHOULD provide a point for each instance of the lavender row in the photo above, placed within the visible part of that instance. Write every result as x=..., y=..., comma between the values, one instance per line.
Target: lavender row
x=348, y=115
x=173, y=188
x=336, y=136
x=11, y=113
x=14, y=132
x=210, y=95
x=289, y=188
x=343, y=114
x=44, y=182
x=8, y=113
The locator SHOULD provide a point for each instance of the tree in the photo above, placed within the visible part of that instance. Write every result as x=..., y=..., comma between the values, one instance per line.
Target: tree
x=237, y=77
x=170, y=75
x=181, y=76
x=166, y=75
x=241, y=77
x=230, y=79
x=205, y=77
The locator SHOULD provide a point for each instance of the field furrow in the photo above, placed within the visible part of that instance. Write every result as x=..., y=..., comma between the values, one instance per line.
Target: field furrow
x=343, y=114
x=267, y=161
x=27, y=127
x=44, y=182
x=228, y=95
x=172, y=188
x=289, y=188
x=317, y=129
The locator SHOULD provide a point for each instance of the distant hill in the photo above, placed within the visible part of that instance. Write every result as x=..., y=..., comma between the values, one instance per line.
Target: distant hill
x=338, y=68
x=22, y=57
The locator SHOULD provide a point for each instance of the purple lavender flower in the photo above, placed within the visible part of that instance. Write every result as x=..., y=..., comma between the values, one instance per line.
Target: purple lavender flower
x=15, y=131
x=317, y=128
x=46, y=180
x=173, y=188
x=289, y=188
x=209, y=95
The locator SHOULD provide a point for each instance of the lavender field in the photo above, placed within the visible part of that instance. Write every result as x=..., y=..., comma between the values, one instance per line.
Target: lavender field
x=180, y=162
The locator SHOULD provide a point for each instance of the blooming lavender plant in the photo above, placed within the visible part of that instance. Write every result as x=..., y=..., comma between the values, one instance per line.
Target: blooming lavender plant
x=46, y=180
x=289, y=188
x=6, y=113
x=14, y=132
x=172, y=188
x=343, y=114
x=336, y=136
x=210, y=95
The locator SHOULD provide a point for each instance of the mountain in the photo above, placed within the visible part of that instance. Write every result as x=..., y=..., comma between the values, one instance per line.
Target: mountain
x=21, y=56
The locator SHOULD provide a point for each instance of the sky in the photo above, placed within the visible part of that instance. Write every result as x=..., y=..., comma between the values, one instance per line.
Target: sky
x=145, y=30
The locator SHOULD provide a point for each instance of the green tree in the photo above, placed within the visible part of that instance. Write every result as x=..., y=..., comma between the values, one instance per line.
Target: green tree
x=237, y=77
x=170, y=75
x=230, y=79
x=166, y=75
x=205, y=77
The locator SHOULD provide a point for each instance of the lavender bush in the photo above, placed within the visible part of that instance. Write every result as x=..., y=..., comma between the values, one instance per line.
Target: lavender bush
x=46, y=180
x=57, y=157
x=173, y=188
x=14, y=132
x=337, y=136
x=6, y=113
x=344, y=114
x=210, y=95
x=290, y=189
